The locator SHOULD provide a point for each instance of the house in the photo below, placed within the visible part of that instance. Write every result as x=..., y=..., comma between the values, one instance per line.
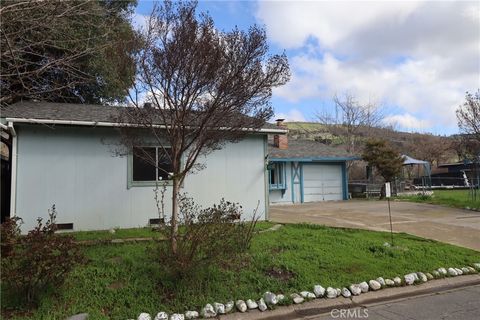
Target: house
x=306, y=171
x=64, y=154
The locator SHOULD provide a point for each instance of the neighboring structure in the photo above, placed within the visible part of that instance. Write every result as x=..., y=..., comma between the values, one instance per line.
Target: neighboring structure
x=64, y=154
x=306, y=171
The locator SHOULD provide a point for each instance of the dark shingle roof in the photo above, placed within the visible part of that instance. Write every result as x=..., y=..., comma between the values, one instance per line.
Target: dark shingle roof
x=309, y=150
x=69, y=112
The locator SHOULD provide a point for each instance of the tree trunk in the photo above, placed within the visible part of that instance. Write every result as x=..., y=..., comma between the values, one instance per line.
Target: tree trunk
x=174, y=221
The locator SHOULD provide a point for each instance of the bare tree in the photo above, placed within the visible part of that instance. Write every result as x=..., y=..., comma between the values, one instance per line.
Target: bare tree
x=350, y=119
x=205, y=88
x=75, y=51
x=468, y=115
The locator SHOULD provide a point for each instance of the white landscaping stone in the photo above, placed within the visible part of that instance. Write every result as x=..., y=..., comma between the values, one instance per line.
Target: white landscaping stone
x=241, y=305
x=229, y=306
x=389, y=282
x=477, y=266
x=161, y=316
x=262, y=306
x=208, y=311
x=331, y=293
x=191, y=315
x=472, y=270
x=144, y=316
x=251, y=304
x=429, y=276
x=465, y=270
x=442, y=271
x=374, y=285
x=422, y=277
x=219, y=308
x=280, y=297
x=363, y=286
x=307, y=295
x=270, y=298
x=459, y=271
x=297, y=298
x=355, y=289
x=409, y=278
x=381, y=281
x=452, y=272
x=177, y=316
x=319, y=291
x=346, y=293
x=397, y=281
x=339, y=292
x=436, y=274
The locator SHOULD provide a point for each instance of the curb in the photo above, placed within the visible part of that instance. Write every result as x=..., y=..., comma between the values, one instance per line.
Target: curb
x=321, y=306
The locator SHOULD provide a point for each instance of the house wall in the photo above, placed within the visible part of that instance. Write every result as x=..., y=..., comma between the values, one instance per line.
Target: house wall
x=283, y=196
x=76, y=169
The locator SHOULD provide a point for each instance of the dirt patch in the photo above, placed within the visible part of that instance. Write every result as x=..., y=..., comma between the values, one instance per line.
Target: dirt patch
x=116, y=285
x=280, y=273
x=115, y=260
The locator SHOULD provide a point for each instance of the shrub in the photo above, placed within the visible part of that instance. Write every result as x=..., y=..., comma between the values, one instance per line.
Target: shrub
x=36, y=261
x=212, y=236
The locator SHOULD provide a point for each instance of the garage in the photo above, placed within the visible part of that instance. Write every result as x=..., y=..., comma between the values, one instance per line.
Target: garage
x=322, y=182
x=306, y=171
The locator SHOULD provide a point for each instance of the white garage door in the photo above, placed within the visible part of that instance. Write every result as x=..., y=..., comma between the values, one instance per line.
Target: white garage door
x=322, y=182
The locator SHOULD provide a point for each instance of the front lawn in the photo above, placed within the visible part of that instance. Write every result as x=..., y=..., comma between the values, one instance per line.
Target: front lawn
x=121, y=280
x=451, y=198
x=147, y=232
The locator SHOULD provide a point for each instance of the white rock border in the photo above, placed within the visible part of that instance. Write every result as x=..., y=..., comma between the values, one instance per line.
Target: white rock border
x=269, y=300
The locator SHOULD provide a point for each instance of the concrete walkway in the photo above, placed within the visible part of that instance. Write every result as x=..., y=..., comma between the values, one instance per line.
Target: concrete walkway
x=455, y=226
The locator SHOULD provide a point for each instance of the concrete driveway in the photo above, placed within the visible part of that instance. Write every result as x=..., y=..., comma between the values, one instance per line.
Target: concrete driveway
x=455, y=226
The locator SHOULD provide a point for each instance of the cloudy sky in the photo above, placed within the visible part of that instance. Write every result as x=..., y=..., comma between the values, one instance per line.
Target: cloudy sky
x=415, y=58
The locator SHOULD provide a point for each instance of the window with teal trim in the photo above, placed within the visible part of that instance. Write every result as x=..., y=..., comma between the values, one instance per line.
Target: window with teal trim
x=143, y=168
x=276, y=176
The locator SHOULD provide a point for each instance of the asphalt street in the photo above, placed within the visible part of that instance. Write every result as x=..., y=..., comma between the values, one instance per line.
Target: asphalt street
x=462, y=304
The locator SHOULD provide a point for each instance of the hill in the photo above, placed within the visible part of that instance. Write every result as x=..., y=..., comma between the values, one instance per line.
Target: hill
x=433, y=148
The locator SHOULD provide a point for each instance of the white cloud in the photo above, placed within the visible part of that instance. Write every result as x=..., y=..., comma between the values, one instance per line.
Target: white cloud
x=407, y=121
x=291, y=115
x=417, y=56
x=139, y=21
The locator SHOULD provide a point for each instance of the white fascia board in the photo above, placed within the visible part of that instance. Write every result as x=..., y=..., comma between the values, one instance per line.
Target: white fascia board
x=113, y=124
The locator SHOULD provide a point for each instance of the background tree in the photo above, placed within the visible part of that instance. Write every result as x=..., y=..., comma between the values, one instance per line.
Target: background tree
x=66, y=51
x=205, y=86
x=350, y=120
x=468, y=115
x=385, y=159
x=431, y=148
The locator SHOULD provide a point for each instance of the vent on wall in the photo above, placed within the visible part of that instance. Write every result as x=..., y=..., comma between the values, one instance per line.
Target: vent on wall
x=156, y=221
x=64, y=226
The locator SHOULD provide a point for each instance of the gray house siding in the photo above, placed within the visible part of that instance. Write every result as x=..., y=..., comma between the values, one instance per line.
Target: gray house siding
x=75, y=168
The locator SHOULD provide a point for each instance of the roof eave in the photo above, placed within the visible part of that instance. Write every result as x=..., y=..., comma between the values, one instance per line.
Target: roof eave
x=314, y=159
x=113, y=124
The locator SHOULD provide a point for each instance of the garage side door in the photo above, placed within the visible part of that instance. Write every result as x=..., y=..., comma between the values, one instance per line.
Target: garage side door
x=322, y=182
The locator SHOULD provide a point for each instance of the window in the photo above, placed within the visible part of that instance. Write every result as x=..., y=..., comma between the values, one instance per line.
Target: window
x=143, y=168
x=277, y=175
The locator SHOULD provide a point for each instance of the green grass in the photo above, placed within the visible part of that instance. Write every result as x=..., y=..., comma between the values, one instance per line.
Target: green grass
x=451, y=198
x=135, y=233
x=120, y=281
